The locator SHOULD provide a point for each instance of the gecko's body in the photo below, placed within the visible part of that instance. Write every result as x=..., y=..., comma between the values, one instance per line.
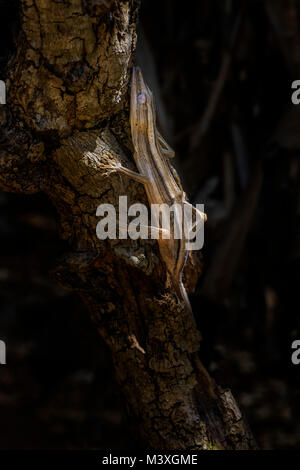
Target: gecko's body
x=151, y=155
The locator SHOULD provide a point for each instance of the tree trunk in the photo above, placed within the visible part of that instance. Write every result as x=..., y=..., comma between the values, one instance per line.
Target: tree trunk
x=66, y=115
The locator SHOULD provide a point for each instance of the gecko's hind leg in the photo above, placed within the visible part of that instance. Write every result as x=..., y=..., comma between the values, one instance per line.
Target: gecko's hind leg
x=157, y=231
x=202, y=217
x=165, y=147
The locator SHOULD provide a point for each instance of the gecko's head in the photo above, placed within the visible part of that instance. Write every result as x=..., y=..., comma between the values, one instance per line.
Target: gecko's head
x=141, y=99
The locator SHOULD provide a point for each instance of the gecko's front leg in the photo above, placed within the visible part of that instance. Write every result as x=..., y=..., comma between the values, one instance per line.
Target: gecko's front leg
x=126, y=171
x=156, y=232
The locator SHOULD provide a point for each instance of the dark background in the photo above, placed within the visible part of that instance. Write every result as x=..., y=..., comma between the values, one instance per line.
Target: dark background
x=57, y=389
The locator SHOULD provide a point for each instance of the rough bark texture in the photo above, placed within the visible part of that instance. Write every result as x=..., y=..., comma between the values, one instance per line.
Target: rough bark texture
x=66, y=115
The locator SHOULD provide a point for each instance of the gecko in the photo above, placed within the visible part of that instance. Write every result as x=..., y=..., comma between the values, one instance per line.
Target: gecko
x=162, y=185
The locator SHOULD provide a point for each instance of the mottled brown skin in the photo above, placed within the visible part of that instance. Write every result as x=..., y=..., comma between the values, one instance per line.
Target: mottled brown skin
x=66, y=115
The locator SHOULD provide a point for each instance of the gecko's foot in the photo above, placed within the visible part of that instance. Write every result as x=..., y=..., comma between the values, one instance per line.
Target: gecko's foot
x=112, y=166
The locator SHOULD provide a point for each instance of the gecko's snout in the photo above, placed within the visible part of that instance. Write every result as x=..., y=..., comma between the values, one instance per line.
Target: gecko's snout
x=139, y=79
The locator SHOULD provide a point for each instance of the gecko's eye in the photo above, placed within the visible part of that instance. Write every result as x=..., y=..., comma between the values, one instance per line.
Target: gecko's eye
x=142, y=98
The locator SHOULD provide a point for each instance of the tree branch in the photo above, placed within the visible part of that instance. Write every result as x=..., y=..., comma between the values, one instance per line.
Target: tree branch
x=67, y=92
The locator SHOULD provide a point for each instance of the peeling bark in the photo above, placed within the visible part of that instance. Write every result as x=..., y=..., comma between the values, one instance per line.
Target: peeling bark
x=66, y=115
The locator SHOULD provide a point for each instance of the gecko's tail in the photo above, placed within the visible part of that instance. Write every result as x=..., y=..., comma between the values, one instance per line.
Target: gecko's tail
x=182, y=293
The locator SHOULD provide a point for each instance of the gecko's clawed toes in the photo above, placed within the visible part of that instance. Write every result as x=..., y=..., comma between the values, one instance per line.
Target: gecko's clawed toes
x=111, y=166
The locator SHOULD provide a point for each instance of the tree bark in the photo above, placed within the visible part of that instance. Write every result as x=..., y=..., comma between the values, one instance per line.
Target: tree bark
x=66, y=115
